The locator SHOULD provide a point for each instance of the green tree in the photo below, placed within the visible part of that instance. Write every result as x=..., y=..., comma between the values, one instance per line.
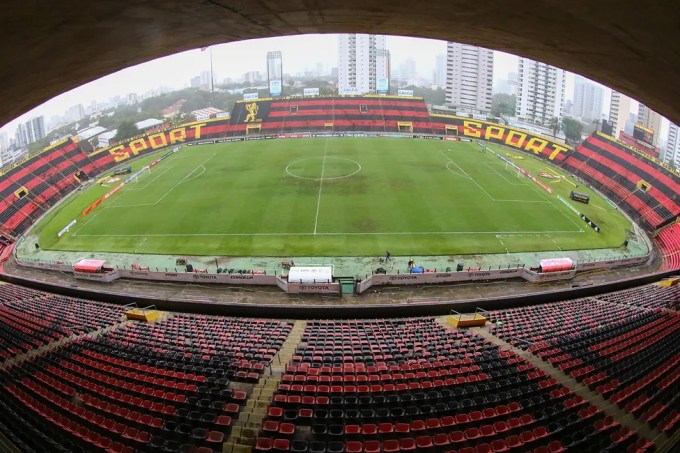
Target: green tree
x=503, y=104
x=554, y=125
x=572, y=129
x=126, y=129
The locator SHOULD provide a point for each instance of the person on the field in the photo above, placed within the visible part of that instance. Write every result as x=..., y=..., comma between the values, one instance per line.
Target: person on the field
x=387, y=255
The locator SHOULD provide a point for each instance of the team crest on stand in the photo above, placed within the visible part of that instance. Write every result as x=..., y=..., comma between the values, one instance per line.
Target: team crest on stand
x=252, y=109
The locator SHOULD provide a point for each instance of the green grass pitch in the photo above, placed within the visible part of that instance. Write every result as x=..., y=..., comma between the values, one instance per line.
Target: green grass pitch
x=334, y=197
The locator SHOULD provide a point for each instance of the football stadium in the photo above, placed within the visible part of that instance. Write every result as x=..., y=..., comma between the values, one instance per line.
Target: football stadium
x=329, y=273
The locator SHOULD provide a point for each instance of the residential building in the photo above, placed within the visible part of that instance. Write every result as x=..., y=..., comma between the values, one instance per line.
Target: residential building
x=253, y=76
x=507, y=85
x=469, y=76
x=31, y=131
x=407, y=71
x=75, y=113
x=671, y=156
x=439, y=76
x=174, y=109
x=202, y=81
x=357, y=62
x=540, y=91
x=619, y=112
x=587, y=99
x=651, y=120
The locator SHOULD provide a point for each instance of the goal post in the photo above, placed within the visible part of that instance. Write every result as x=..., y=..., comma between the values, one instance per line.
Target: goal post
x=143, y=172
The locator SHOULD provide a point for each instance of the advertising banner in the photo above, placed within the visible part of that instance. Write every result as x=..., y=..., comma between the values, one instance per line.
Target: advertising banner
x=408, y=93
x=275, y=88
x=315, y=288
x=311, y=92
x=249, y=96
x=348, y=91
x=382, y=85
x=66, y=228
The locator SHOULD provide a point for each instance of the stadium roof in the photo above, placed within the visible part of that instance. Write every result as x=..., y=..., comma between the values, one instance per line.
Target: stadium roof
x=90, y=132
x=146, y=124
x=208, y=112
x=631, y=46
x=108, y=134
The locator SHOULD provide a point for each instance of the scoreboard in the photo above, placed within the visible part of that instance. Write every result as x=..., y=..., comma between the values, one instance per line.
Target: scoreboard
x=643, y=134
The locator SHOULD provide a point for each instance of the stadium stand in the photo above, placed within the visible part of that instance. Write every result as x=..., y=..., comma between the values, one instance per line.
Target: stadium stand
x=162, y=386
x=414, y=385
x=668, y=241
x=30, y=319
x=243, y=348
x=364, y=113
x=650, y=296
x=627, y=353
x=77, y=378
x=620, y=173
x=27, y=190
x=378, y=385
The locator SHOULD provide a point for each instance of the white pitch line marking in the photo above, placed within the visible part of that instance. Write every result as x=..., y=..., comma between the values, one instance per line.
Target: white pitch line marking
x=482, y=188
x=498, y=236
x=318, y=200
x=405, y=233
x=558, y=247
x=169, y=190
x=148, y=183
x=512, y=183
x=140, y=243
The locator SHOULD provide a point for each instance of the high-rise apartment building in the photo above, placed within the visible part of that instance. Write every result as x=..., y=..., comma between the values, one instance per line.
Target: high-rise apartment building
x=275, y=73
x=508, y=85
x=75, y=113
x=651, y=120
x=357, y=63
x=31, y=131
x=252, y=76
x=587, y=99
x=619, y=112
x=469, y=76
x=439, y=76
x=672, y=153
x=540, y=91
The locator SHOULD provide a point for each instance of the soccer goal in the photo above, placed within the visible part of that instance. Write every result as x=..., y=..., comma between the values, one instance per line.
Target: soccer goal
x=143, y=172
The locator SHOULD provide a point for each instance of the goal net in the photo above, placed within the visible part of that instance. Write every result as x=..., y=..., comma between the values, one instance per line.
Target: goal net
x=140, y=174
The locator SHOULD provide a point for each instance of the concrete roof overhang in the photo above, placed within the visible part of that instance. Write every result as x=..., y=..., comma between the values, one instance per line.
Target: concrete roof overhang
x=49, y=48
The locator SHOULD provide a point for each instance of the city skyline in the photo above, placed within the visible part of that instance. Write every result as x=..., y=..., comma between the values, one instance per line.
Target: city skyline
x=300, y=53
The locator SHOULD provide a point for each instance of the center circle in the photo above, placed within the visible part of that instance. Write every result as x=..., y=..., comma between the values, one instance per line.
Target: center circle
x=328, y=168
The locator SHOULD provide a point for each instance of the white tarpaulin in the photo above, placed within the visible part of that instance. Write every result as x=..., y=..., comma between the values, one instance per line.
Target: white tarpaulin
x=310, y=274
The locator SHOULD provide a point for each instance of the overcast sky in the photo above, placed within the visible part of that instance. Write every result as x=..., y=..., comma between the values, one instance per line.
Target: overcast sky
x=300, y=53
